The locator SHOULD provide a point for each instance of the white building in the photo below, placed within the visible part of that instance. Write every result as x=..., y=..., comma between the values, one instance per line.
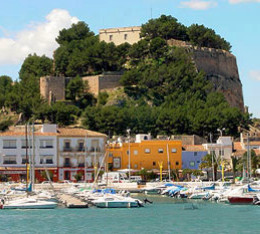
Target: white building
x=61, y=150
x=223, y=147
x=77, y=147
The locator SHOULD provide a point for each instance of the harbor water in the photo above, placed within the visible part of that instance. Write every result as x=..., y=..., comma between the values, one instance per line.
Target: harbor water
x=165, y=215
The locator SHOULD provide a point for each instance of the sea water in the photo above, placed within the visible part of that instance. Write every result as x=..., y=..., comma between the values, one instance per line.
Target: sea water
x=165, y=215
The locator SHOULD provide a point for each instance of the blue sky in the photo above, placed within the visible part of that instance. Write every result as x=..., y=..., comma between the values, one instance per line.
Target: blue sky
x=28, y=26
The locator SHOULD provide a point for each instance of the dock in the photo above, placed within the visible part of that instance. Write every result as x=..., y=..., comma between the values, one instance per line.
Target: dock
x=72, y=202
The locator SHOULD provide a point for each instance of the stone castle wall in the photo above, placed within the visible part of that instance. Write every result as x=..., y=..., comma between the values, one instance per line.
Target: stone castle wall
x=221, y=69
x=101, y=83
x=52, y=88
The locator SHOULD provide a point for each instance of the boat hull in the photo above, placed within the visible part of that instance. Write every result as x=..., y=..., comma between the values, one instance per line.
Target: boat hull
x=117, y=204
x=240, y=200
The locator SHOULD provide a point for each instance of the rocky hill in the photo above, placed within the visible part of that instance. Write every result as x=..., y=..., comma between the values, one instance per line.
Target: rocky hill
x=221, y=69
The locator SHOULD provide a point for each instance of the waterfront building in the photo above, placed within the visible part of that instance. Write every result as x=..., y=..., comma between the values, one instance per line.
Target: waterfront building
x=223, y=147
x=79, y=150
x=121, y=35
x=192, y=156
x=62, y=152
x=145, y=153
x=13, y=152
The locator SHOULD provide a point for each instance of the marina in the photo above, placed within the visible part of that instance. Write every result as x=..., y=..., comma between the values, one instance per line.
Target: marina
x=165, y=215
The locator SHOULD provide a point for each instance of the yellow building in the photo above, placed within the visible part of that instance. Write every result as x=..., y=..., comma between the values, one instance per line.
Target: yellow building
x=122, y=35
x=146, y=154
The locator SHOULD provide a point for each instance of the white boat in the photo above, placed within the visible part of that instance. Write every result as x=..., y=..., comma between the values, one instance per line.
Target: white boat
x=199, y=195
x=28, y=203
x=117, y=202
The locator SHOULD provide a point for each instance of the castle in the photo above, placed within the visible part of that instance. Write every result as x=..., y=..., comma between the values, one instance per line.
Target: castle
x=219, y=66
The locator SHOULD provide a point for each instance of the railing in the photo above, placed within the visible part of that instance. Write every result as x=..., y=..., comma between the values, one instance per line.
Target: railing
x=65, y=149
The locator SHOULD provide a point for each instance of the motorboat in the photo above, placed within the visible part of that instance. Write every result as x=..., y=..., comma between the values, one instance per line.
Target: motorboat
x=28, y=203
x=117, y=202
x=199, y=195
x=239, y=200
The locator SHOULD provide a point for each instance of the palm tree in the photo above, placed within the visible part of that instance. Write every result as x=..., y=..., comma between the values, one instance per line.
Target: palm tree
x=207, y=163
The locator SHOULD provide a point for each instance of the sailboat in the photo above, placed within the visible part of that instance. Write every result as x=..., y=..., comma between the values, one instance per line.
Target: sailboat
x=27, y=202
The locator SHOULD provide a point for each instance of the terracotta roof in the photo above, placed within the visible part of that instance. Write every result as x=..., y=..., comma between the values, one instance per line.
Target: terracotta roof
x=239, y=153
x=254, y=143
x=73, y=132
x=237, y=146
x=194, y=148
x=257, y=151
x=78, y=132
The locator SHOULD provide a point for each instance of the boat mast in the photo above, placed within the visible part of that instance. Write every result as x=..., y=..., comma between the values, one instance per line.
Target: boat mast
x=26, y=157
x=169, y=169
x=212, y=157
x=33, y=157
x=248, y=159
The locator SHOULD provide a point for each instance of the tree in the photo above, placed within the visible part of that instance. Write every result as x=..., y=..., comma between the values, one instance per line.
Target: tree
x=75, y=89
x=5, y=88
x=76, y=32
x=166, y=27
x=206, y=163
x=201, y=36
x=235, y=161
x=34, y=67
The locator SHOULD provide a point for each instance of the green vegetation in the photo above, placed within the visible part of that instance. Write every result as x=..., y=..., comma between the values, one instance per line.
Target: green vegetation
x=162, y=91
x=168, y=27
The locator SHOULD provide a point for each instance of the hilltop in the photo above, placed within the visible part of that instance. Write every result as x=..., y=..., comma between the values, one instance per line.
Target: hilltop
x=163, y=91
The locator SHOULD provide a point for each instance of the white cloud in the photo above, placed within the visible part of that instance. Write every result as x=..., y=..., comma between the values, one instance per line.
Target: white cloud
x=37, y=38
x=255, y=74
x=198, y=4
x=241, y=1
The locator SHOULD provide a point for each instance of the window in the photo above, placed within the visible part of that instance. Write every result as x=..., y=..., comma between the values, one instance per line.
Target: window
x=160, y=151
x=29, y=144
x=154, y=163
x=110, y=154
x=127, y=152
x=10, y=160
x=135, y=166
x=81, y=146
x=125, y=36
x=147, y=151
x=116, y=163
x=135, y=152
x=174, y=150
x=9, y=144
x=49, y=161
x=46, y=159
x=192, y=163
x=110, y=37
x=177, y=163
x=221, y=153
x=24, y=160
x=198, y=162
x=66, y=146
x=46, y=144
x=195, y=153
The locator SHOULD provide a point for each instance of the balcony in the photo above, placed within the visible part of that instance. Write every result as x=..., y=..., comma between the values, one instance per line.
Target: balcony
x=81, y=165
x=67, y=164
x=67, y=149
x=80, y=149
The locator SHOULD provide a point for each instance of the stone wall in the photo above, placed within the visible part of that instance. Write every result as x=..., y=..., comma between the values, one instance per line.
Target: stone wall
x=103, y=82
x=221, y=69
x=52, y=88
x=122, y=35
